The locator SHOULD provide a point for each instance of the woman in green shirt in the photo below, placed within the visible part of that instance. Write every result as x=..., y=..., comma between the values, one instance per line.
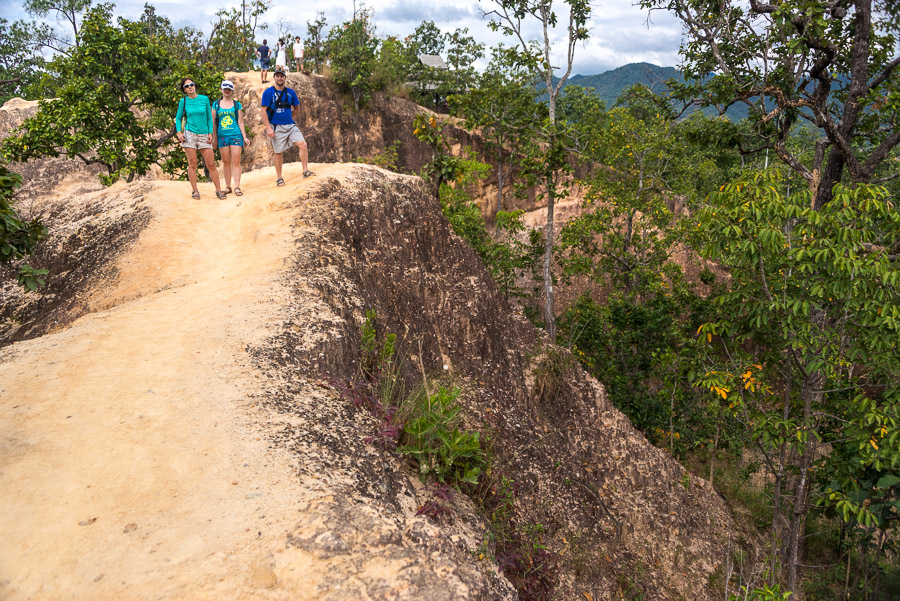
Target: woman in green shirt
x=194, y=124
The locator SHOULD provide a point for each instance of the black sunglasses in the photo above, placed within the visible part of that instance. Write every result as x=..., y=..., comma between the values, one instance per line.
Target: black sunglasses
x=188, y=85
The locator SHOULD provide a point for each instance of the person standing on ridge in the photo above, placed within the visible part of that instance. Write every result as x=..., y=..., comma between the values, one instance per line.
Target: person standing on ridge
x=194, y=124
x=278, y=104
x=281, y=56
x=265, y=59
x=228, y=121
x=298, y=55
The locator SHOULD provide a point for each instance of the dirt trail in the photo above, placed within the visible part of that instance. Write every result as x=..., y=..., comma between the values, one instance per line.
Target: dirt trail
x=133, y=460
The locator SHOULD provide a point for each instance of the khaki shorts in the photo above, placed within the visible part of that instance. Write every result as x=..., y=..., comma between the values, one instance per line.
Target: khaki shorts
x=285, y=137
x=192, y=140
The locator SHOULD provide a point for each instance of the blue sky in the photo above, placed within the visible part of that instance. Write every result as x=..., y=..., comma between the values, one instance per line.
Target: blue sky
x=619, y=30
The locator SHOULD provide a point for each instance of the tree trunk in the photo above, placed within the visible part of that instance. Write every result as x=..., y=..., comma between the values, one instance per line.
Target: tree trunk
x=811, y=395
x=712, y=456
x=798, y=522
x=549, y=316
x=824, y=188
x=499, y=183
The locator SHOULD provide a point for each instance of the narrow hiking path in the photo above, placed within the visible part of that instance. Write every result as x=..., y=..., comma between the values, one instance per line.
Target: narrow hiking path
x=134, y=461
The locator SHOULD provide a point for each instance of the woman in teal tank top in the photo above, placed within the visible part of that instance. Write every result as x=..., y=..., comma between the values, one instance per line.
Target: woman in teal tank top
x=228, y=130
x=194, y=125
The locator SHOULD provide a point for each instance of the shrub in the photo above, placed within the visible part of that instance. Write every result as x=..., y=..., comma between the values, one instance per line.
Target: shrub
x=433, y=438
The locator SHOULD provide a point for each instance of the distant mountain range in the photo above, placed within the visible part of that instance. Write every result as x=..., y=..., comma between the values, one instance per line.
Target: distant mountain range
x=609, y=85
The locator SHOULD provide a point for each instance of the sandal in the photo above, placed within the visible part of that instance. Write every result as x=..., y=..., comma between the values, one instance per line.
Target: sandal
x=237, y=192
x=195, y=195
x=221, y=195
x=279, y=181
x=308, y=173
x=228, y=190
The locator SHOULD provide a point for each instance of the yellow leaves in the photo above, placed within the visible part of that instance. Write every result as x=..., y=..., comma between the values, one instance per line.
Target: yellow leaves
x=721, y=391
x=708, y=337
x=873, y=443
x=749, y=381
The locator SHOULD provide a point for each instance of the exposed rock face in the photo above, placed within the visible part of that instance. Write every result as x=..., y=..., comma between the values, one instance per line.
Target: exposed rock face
x=44, y=176
x=88, y=234
x=334, y=131
x=618, y=508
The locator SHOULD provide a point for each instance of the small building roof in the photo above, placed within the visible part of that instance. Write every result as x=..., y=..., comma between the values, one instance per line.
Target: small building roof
x=432, y=60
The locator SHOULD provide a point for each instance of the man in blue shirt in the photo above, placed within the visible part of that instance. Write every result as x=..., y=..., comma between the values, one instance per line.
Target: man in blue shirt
x=277, y=106
x=265, y=60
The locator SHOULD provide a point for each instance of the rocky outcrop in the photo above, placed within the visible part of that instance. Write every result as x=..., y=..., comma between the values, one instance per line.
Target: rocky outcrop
x=43, y=178
x=333, y=130
x=88, y=233
x=617, y=511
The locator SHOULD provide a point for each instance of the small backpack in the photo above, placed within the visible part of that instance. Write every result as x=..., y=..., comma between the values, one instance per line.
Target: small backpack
x=278, y=102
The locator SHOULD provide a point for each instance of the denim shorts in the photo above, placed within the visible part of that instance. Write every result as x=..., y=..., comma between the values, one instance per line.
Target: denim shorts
x=230, y=141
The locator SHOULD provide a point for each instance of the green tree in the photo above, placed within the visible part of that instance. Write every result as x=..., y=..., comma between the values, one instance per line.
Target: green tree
x=444, y=167
x=394, y=65
x=17, y=237
x=315, y=50
x=548, y=162
x=427, y=39
x=114, y=104
x=585, y=115
x=230, y=43
x=462, y=52
x=627, y=233
x=829, y=63
x=251, y=12
x=806, y=353
x=502, y=105
x=352, y=47
x=430, y=83
x=67, y=12
x=185, y=44
x=21, y=63
x=639, y=340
